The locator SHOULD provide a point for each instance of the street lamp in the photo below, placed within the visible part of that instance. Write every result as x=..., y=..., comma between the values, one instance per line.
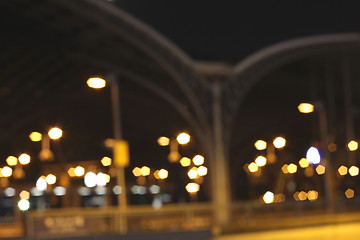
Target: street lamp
x=319, y=108
x=278, y=143
x=12, y=161
x=174, y=155
x=54, y=133
x=120, y=147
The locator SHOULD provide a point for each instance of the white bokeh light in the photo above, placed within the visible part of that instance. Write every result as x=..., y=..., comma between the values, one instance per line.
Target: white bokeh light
x=313, y=155
x=41, y=183
x=90, y=179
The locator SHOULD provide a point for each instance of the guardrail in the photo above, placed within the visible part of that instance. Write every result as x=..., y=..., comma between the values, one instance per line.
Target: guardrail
x=247, y=216
x=82, y=222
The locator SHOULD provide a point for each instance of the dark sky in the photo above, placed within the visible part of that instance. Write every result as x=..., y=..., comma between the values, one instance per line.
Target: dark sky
x=230, y=30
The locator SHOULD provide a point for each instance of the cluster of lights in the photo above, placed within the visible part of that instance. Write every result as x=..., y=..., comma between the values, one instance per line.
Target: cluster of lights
x=99, y=179
x=196, y=172
x=161, y=174
x=313, y=157
x=24, y=202
x=293, y=168
x=289, y=169
x=12, y=161
x=261, y=161
x=311, y=195
x=143, y=171
x=182, y=138
x=24, y=159
x=278, y=142
x=141, y=190
x=270, y=197
x=54, y=133
x=92, y=179
x=196, y=169
x=77, y=171
x=353, y=171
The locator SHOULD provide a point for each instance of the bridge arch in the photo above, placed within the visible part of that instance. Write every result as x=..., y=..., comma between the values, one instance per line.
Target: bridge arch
x=249, y=71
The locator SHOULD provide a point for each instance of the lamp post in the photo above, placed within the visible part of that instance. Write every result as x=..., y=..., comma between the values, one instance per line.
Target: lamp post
x=54, y=133
x=120, y=147
x=174, y=155
x=278, y=142
x=322, y=116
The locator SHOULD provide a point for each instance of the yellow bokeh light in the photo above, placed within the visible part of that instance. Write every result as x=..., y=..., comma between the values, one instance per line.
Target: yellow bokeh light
x=302, y=196
x=312, y=195
x=145, y=171
x=163, y=173
x=280, y=197
x=306, y=108
x=253, y=167
x=96, y=82
x=192, y=187
x=35, y=136
x=55, y=133
x=24, y=159
x=353, y=171
x=24, y=195
x=292, y=168
x=192, y=173
x=198, y=160
x=320, y=169
x=284, y=168
x=268, y=197
x=260, y=145
x=353, y=145
x=342, y=170
x=279, y=142
x=304, y=163
x=11, y=160
x=183, y=138
x=79, y=171
x=136, y=171
x=106, y=161
x=260, y=161
x=71, y=172
x=202, y=170
x=163, y=141
x=50, y=179
x=107, y=177
x=349, y=193
x=296, y=196
x=156, y=174
x=185, y=161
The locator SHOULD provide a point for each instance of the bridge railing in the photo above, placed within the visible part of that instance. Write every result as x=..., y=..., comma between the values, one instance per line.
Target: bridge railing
x=246, y=216
x=81, y=222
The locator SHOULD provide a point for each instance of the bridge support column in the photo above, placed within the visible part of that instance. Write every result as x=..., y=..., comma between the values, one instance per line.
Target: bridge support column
x=219, y=164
